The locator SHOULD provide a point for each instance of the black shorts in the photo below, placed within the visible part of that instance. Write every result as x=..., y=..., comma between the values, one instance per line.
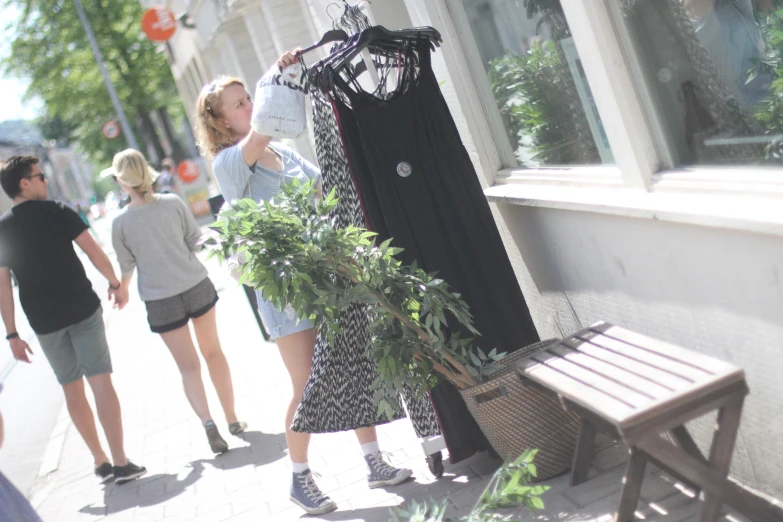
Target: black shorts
x=165, y=315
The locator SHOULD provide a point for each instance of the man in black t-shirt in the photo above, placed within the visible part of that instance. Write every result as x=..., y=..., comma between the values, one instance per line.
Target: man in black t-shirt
x=36, y=243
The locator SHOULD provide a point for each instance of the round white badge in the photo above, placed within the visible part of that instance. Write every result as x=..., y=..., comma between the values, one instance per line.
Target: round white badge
x=404, y=169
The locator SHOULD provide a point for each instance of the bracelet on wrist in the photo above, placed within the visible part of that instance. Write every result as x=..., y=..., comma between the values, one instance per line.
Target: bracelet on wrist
x=12, y=335
x=115, y=287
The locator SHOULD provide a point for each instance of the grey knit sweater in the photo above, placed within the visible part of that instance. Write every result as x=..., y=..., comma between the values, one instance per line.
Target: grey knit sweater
x=160, y=239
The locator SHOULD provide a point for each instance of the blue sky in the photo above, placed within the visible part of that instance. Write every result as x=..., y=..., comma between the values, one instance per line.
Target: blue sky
x=12, y=89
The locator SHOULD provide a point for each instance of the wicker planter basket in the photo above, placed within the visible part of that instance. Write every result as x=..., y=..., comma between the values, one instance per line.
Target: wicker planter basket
x=515, y=417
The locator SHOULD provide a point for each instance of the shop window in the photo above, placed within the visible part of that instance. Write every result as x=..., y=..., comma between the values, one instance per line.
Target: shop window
x=714, y=73
x=537, y=82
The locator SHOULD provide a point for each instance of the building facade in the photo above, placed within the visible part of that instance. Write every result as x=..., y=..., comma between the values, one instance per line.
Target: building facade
x=69, y=175
x=630, y=149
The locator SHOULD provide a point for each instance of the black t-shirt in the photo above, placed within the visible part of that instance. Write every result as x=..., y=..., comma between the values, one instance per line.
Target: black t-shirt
x=36, y=243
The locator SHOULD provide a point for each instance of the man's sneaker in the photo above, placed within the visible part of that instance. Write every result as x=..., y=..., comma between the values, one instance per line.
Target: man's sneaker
x=128, y=472
x=216, y=442
x=105, y=472
x=380, y=473
x=306, y=495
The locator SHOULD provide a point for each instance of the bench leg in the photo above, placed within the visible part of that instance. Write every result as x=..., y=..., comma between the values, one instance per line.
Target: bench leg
x=583, y=456
x=632, y=486
x=686, y=442
x=720, y=455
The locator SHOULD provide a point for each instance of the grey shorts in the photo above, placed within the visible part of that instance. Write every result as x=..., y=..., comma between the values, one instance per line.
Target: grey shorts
x=277, y=323
x=165, y=315
x=78, y=350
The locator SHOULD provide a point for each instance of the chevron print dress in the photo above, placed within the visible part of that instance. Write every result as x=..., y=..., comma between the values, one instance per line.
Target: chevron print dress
x=338, y=395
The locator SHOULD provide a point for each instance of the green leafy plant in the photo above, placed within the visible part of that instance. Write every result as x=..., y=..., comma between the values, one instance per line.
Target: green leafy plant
x=509, y=487
x=770, y=111
x=533, y=92
x=297, y=257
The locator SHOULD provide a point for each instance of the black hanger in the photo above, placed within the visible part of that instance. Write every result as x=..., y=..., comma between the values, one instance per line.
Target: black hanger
x=394, y=62
x=322, y=73
x=335, y=35
x=376, y=36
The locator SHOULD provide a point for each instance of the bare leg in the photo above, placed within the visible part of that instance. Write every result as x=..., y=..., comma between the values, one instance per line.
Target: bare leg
x=110, y=415
x=83, y=419
x=206, y=334
x=181, y=346
x=297, y=353
x=366, y=435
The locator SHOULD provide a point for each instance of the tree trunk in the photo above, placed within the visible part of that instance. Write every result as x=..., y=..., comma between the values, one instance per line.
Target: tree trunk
x=151, y=134
x=177, y=153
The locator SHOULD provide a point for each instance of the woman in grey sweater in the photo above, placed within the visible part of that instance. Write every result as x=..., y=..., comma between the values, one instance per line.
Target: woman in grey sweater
x=158, y=235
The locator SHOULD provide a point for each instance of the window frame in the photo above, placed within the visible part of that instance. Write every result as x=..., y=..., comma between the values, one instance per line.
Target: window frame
x=644, y=162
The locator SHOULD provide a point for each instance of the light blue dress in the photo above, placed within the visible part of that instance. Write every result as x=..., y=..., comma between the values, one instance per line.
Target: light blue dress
x=237, y=181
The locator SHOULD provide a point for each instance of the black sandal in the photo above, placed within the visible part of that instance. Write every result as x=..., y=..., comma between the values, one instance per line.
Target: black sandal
x=216, y=442
x=235, y=428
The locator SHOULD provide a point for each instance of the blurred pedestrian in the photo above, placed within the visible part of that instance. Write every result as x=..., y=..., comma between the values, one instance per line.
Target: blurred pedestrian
x=167, y=181
x=14, y=507
x=82, y=214
x=36, y=243
x=158, y=234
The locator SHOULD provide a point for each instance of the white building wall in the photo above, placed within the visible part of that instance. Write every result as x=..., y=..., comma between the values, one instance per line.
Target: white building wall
x=713, y=290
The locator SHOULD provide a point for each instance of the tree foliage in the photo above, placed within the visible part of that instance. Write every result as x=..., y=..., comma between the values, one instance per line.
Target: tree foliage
x=51, y=49
x=298, y=258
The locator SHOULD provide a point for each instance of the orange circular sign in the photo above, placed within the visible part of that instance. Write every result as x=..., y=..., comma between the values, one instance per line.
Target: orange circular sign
x=111, y=129
x=159, y=23
x=188, y=171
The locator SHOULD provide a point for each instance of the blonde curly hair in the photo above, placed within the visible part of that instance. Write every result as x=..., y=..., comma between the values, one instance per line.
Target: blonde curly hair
x=211, y=138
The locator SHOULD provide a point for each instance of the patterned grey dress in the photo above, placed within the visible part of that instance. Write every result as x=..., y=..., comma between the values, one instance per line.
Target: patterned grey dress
x=338, y=396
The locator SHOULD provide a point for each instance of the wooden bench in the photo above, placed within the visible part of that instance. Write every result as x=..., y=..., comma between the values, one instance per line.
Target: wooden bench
x=639, y=390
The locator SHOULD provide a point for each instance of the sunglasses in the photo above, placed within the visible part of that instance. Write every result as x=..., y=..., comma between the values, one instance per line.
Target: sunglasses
x=42, y=176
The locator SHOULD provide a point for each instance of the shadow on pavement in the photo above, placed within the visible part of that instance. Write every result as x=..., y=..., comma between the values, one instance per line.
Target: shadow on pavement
x=120, y=498
x=264, y=449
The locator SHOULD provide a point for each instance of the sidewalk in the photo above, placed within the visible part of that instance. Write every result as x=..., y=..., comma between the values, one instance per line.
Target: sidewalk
x=187, y=483
x=7, y=361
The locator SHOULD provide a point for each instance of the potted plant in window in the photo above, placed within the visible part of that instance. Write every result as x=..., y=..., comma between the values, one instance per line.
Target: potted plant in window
x=297, y=257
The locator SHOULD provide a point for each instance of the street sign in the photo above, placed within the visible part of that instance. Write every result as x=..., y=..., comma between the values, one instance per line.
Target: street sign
x=188, y=171
x=111, y=129
x=159, y=23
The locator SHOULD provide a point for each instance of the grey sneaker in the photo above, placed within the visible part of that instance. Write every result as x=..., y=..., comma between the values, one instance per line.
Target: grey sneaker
x=380, y=473
x=306, y=495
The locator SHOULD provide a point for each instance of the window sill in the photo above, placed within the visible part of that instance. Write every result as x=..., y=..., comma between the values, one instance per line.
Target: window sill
x=694, y=198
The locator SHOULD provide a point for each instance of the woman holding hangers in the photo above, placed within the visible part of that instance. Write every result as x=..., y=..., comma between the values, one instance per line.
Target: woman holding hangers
x=248, y=164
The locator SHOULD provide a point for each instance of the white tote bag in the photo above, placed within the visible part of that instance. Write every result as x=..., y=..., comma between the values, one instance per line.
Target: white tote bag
x=279, y=108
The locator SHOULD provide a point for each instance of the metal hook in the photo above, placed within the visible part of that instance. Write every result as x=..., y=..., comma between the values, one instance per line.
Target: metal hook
x=327, y=10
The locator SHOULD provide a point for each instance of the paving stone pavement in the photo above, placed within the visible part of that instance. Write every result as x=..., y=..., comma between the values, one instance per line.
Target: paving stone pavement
x=187, y=483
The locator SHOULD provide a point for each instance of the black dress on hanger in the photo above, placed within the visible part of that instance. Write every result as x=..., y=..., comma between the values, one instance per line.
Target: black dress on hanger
x=339, y=395
x=419, y=187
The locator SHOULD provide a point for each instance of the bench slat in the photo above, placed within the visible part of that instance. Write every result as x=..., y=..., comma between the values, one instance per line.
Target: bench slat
x=589, y=378
x=639, y=369
x=570, y=388
x=651, y=391
x=686, y=373
x=687, y=357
